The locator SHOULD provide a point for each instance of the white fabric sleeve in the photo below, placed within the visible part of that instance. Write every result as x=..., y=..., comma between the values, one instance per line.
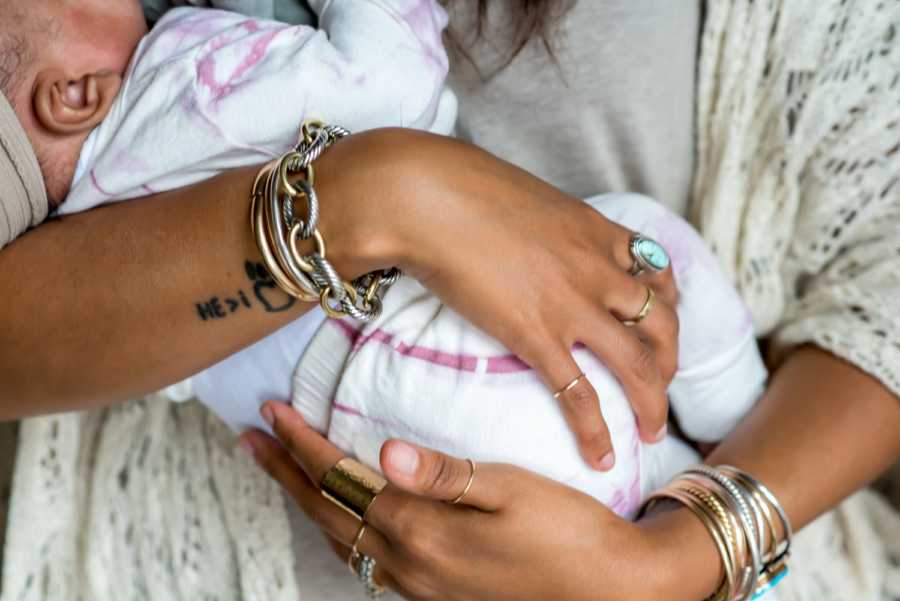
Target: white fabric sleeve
x=211, y=90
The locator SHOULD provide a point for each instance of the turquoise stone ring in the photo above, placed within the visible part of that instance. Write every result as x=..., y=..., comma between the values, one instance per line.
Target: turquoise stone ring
x=648, y=255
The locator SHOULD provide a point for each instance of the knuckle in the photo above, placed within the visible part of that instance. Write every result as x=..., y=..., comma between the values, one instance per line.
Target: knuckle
x=601, y=438
x=544, y=357
x=416, y=585
x=669, y=366
x=402, y=521
x=643, y=366
x=315, y=515
x=669, y=325
x=657, y=412
x=288, y=438
x=440, y=475
x=421, y=546
x=668, y=371
x=582, y=398
x=668, y=290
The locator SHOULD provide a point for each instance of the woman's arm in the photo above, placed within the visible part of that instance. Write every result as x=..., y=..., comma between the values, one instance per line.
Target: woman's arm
x=113, y=303
x=823, y=430
x=123, y=300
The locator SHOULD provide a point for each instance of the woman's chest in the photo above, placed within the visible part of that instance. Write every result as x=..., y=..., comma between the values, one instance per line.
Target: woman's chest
x=612, y=109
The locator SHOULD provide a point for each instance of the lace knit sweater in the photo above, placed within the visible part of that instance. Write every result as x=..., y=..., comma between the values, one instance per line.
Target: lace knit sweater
x=797, y=191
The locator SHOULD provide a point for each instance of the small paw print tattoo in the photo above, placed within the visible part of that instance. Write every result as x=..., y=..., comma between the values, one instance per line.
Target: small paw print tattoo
x=266, y=290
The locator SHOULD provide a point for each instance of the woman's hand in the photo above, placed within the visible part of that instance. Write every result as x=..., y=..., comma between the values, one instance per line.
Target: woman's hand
x=537, y=269
x=515, y=536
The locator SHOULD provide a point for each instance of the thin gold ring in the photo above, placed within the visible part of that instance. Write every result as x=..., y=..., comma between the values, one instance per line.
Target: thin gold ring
x=644, y=312
x=462, y=495
x=568, y=386
x=354, y=549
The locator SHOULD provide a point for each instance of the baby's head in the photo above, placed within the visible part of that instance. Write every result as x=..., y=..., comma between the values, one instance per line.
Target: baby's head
x=61, y=66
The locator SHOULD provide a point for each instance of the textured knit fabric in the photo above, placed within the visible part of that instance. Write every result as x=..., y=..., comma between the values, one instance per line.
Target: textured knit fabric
x=796, y=129
x=23, y=198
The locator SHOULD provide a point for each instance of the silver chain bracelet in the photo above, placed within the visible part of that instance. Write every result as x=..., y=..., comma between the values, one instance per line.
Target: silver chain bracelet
x=279, y=231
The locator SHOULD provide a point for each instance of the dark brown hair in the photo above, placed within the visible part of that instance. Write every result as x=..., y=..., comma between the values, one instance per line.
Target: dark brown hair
x=532, y=19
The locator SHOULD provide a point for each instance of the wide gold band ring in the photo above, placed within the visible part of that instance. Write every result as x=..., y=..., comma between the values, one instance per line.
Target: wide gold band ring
x=644, y=312
x=352, y=486
x=462, y=495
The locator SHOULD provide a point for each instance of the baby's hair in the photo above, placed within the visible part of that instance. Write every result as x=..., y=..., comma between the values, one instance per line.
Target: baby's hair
x=15, y=51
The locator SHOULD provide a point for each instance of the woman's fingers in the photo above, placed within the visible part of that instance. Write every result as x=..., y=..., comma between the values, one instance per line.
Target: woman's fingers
x=663, y=283
x=660, y=330
x=434, y=475
x=634, y=363
x=580, y=406
x=337, y=523
x=382, y=576
x=310, y=449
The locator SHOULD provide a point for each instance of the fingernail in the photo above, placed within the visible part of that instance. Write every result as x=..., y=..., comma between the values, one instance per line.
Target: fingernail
x=608, y=462
x=268, y=415
x=662, y=433
x=404, y=459
x=247, y=447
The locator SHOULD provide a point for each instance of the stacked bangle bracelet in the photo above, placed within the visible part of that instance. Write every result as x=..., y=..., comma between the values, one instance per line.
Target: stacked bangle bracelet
x=278, y=231
x=743, y=517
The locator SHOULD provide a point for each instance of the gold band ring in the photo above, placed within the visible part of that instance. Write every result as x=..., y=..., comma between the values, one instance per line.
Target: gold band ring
x=352, y=486
x=462, y=495
x=568, y=386
x=354, y=550
x=644, y=312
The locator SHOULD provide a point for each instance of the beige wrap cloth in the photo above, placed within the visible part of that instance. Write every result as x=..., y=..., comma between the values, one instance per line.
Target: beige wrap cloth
x=23, y=198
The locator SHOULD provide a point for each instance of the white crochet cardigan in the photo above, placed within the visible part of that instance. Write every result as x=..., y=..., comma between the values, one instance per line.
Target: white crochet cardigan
x=796, y=189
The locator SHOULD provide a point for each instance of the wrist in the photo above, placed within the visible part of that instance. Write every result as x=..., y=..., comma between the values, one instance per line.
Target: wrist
x=687, y=566
x=364, y=214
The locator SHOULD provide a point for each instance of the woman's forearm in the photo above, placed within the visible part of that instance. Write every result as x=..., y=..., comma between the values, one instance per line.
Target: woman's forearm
x=823, y=430
x=119, y=301
x=124, y=300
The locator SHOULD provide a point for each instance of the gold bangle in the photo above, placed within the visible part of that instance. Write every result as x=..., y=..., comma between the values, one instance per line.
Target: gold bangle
x=260, y=233
x=762, y=503
x=743, y=559
x=278, y=188
x=726, y=588
x=726, y=521
x=714, y=505
x=269, y=221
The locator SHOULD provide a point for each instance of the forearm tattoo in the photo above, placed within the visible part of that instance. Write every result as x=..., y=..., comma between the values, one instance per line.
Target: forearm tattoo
x=265, y=294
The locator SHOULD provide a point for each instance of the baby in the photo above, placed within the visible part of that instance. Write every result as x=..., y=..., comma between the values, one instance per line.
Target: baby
x=207, y=91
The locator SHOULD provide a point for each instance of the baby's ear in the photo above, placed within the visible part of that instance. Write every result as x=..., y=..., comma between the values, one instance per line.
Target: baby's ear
x=66, y=106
